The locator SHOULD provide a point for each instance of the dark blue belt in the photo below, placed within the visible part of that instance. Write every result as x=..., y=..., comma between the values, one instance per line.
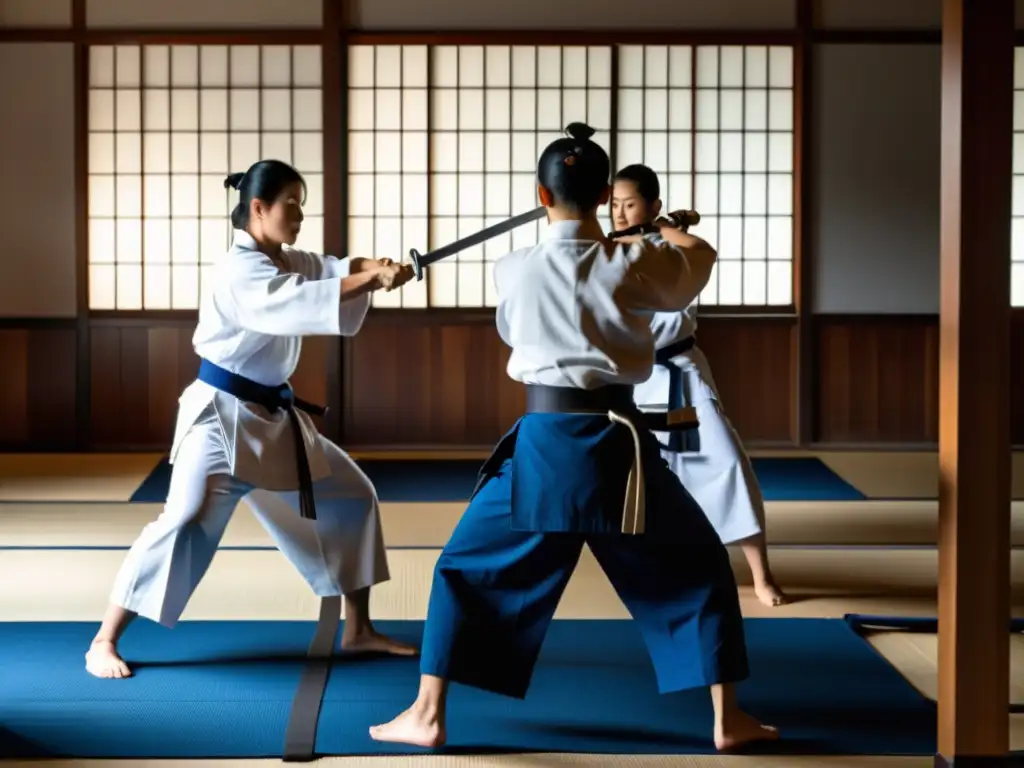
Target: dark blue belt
x=273, y=399
x=664, y=355
x=686, y=441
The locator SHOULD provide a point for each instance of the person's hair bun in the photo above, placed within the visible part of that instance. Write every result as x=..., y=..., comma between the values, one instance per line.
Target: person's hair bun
x=579, y=131
x=234, y=181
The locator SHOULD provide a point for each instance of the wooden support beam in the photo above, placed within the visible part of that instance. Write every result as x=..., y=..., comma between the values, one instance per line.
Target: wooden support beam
x=974, y=441
x=803, y=358
x=83, y=356
x=334, y=60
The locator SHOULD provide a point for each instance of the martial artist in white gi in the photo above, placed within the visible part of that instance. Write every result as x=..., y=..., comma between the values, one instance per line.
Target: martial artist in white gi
x=716, y=470
x=259, y=302
x=582, y=467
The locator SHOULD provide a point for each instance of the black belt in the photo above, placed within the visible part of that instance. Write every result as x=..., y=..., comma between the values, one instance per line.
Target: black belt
x=612, y=397
x=273, y=399
x=676, y=348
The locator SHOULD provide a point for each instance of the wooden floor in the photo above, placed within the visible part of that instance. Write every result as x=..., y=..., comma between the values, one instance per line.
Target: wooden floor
x=874, y=556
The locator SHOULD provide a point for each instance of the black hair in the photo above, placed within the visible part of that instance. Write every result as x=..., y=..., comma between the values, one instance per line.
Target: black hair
x=264, y=180
x=646, y=181
x=575, y=169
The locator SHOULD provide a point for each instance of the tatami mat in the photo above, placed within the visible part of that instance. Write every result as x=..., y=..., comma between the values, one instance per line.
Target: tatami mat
x=114, y=477
x=73, y=476
x=901, y=474
x=73, y=585
x=107, y=524
x=102, y=524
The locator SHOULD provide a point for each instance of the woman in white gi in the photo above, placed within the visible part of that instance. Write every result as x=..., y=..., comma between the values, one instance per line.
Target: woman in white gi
x=581, y=467
x=260, y=300
x=718, y=473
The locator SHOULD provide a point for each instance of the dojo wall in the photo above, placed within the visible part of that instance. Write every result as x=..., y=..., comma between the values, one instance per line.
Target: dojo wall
x=75, y=380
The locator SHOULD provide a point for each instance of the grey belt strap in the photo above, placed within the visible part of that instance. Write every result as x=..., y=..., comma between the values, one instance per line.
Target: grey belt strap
x=300, y=735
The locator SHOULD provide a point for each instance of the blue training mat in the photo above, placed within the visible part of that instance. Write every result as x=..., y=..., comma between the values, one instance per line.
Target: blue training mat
x=223, y=690
x=781, y=479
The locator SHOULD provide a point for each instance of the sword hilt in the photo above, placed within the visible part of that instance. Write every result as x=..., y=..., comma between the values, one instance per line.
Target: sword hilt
x=637, y=229
x=417, y=268
x=681, y=219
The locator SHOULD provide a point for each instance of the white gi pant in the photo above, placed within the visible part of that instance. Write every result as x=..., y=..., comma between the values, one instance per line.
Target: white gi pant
x=340, y=552
x=719, y=476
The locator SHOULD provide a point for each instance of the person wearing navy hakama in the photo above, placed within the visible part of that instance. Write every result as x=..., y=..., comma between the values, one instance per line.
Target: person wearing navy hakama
x=582, y=467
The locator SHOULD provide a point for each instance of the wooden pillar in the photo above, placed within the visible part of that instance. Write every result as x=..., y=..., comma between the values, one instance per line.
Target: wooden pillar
x=804, y=385
x=83, y=334
x=334, y=79
x=974, y=443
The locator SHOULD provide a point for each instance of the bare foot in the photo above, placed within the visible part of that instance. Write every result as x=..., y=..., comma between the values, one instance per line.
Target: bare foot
x=414, y=726
x=102, y=660
x=770, y=595
x=742, y=729
x=371, y=641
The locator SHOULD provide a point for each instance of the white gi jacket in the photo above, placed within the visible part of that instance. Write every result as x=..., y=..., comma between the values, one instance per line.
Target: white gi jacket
x=577, y=316
x=577, y=313
x=252, y=317
x=698, y=384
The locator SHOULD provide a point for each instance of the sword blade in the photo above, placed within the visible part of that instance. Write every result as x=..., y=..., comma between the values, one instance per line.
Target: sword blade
x=483, y=235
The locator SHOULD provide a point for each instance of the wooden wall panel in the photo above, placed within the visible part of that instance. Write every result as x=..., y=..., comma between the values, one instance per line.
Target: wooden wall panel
x=14, y=387
x=436, y=380
x=427, y=379
x=137, y=372
x=37, y=385
x=139, y=369
x=878, y=379
x=752, y=364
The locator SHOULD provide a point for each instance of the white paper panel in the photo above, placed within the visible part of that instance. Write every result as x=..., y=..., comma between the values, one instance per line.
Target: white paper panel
x=167, y=124
x=739, y=99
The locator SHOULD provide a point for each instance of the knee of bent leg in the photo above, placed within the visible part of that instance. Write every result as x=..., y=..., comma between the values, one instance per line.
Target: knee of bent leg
x=209, y=500
x=446, y=568
x=347, y=480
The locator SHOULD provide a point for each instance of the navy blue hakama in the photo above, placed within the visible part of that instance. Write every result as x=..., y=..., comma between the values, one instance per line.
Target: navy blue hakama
x=556, y=482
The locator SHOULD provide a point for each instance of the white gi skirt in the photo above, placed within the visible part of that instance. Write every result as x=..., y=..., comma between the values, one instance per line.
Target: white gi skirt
x=259, y=445
x=719, y=476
